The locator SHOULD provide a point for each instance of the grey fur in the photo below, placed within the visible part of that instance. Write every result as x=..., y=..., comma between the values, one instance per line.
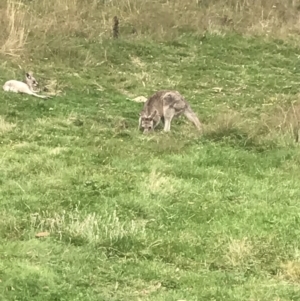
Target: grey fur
x=165, y=105
x=26, y=87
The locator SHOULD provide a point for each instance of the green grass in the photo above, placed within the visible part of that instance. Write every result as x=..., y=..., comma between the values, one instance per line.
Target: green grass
x=173, y=216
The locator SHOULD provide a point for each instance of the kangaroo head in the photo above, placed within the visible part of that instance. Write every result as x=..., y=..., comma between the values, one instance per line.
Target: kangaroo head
x=146, y=121
x=30, y=80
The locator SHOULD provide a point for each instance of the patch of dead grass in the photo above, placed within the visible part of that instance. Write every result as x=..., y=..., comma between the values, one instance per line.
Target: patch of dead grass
x=53, y=88
x=276, y=123
x=239, y=251
x=57, y=150
x=91, y=227
x=284, y=120
x=137, y=62
x=157, y=183
x=6, y=126
x=15, y=32
x=228, y=123
x=225, y=121
x=23, y=144
x=290, y=271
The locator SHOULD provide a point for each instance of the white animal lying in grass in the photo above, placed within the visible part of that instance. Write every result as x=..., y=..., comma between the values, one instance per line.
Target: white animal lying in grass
x=23, y=87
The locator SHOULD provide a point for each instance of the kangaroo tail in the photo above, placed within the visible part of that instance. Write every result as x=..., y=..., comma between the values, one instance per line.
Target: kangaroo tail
x=190, y=114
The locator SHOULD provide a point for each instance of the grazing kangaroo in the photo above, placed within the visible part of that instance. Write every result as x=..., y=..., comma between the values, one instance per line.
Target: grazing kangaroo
x=23, y=87
x=164, y=105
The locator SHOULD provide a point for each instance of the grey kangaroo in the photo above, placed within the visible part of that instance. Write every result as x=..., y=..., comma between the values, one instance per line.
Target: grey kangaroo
x=165, y=105
x=26, y=87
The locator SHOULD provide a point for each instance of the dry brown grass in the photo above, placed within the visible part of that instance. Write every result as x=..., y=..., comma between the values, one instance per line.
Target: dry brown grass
x=13, y=22
x=157, y=183
x=283, y=120
x=290, y=271
x=239, y=251
x=5, y=126
x=280, y=123
x=91, y=19
x=230, y=123
x=225, y=121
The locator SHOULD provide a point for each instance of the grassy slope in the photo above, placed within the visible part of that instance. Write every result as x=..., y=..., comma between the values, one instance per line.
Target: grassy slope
x=165, y=217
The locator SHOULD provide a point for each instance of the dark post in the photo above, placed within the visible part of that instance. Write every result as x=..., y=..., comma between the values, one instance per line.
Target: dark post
x=115, y=27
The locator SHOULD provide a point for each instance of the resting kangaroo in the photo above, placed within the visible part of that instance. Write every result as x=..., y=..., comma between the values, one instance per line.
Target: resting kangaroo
x=23, y=87
x=164, y=105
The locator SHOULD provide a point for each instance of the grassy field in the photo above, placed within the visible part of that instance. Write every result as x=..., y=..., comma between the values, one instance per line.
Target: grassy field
x=168, y=216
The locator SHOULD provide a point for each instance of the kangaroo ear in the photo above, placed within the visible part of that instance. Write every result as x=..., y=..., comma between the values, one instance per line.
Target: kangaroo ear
x=153, y=114
x=28, y=75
